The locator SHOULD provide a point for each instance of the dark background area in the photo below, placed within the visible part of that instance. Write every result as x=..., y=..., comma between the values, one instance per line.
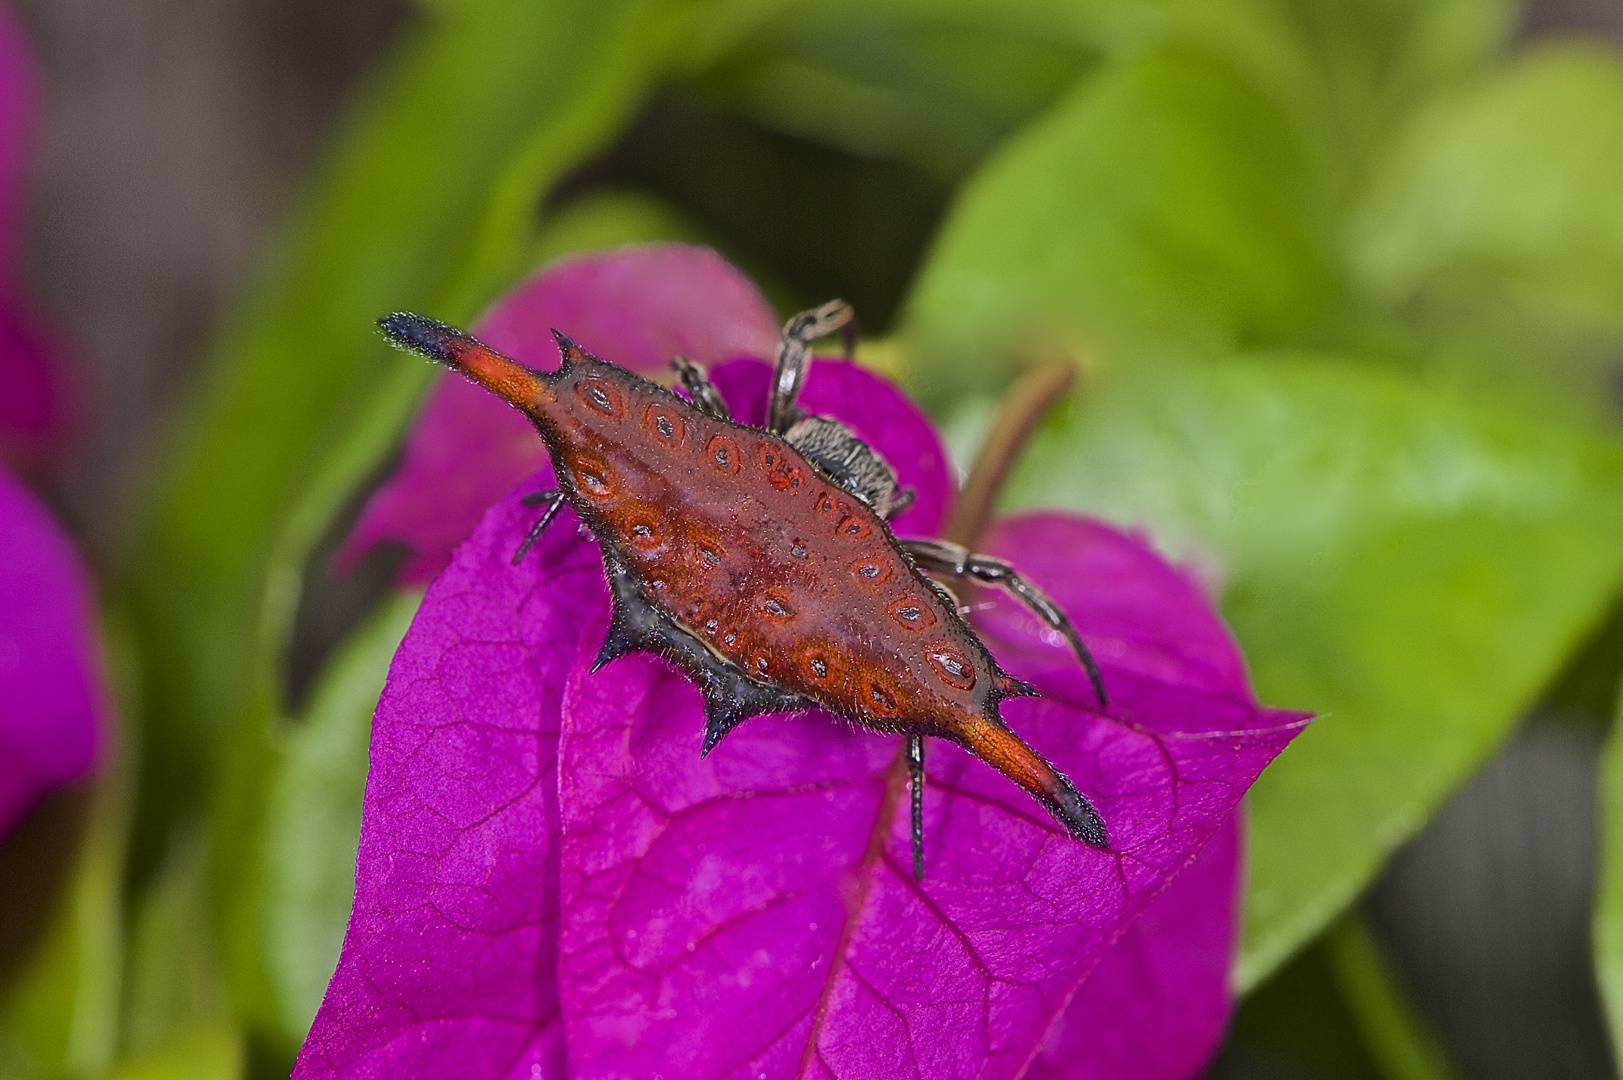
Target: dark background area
x=177, y=136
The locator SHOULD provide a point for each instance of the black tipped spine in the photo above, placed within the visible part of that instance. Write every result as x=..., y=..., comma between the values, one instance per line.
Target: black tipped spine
x=1073, y=810
x=424, y=336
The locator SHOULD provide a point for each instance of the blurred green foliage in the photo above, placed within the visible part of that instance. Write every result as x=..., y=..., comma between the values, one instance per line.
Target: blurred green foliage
x=1347, y=279
x=1166, y=207
x=1492, y=225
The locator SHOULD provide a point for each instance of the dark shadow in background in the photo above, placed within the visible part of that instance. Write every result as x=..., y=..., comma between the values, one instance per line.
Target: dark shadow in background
x=36, y=862
x=1486, y=914
x=824, y=222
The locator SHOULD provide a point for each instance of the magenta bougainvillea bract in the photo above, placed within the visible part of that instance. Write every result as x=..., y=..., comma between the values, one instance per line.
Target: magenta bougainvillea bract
x=552, y=882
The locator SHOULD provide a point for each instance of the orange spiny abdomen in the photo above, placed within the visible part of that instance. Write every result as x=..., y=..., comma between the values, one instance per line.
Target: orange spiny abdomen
x=744, y=544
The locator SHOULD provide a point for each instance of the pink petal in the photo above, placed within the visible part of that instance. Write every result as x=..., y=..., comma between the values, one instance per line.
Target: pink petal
x=448, y=966
x=637, y=306
x=876, y=410
x=53, y=720
x=755, y=912
x=1158, y=1005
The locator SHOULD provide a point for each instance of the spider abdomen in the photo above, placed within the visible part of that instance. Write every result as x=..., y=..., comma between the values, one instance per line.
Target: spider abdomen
x=742, y=543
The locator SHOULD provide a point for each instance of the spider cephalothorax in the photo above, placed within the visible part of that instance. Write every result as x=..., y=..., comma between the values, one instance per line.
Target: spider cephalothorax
x=759, y=559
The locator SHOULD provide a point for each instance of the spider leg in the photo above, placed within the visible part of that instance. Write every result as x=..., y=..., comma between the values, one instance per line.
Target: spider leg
x=943, y=557
x=915, y=768
x=938, y=556
x=794, y=355
x=903, y=499
x=997, y=572
x=704, y=395
x=554, y=500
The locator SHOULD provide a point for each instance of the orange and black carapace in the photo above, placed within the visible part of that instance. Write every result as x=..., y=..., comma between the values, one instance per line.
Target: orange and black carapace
x=759, y=559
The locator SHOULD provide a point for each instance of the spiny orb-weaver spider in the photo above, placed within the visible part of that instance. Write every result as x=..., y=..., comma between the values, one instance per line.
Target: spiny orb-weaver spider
x=759, y=559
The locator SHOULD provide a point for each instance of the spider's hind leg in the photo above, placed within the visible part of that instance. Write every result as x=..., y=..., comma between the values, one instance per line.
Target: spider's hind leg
x=942, y=557
x=997, y=572
x=554, y=500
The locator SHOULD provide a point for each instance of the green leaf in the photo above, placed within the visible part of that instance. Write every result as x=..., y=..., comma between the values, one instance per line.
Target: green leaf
x=940, y=84
x=1186, y=198
x=1347, y=71
x=1494, y=221
x=1166, y=206
x=174, y=982
x=1411, y=564
x=1608, y=917
x=313, y=822
x=425, y=202
x=201, y=1052
x=935, y=84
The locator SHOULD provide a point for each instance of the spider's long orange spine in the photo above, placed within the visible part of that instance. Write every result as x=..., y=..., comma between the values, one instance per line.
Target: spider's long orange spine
x=501, y=375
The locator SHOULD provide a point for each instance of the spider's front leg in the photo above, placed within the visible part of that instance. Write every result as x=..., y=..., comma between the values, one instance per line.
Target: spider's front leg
x=704, y=395
x=794, y=355
x=554, y=500
x=955, y=560
x=915, y=770
x=903, y=500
